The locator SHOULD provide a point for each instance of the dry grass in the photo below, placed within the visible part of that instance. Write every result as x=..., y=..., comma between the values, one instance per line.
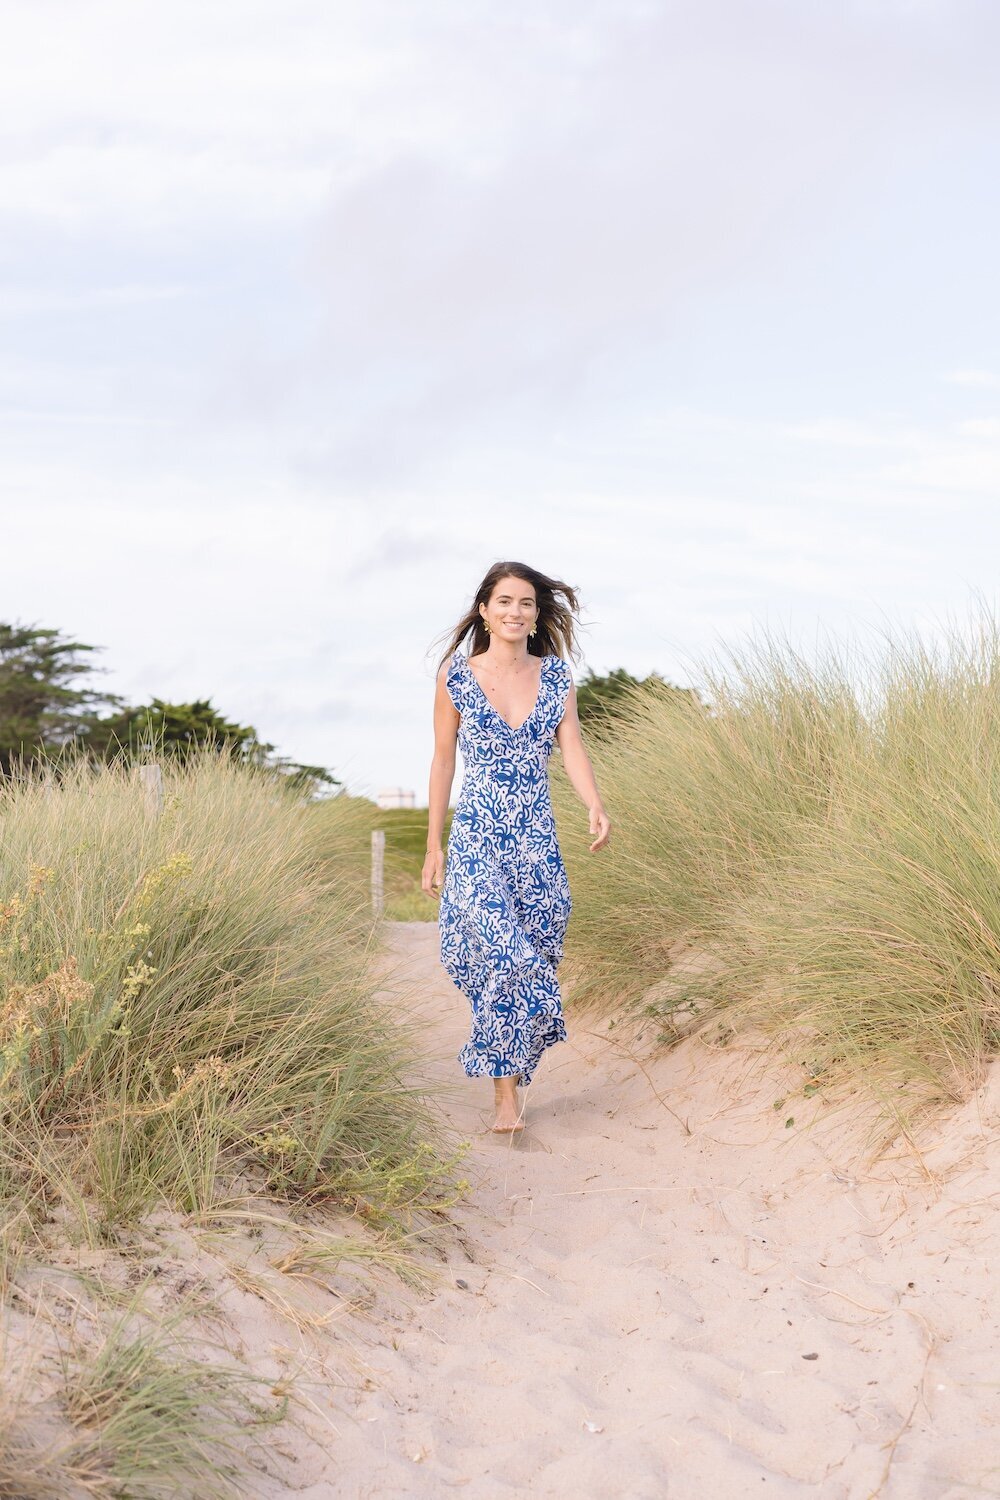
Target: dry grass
x=825, y=838
x=189, y=1023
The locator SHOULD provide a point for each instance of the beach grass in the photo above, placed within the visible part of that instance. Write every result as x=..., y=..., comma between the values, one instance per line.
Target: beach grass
x=125, y=1410
x=190, y=1024
x=822, y=837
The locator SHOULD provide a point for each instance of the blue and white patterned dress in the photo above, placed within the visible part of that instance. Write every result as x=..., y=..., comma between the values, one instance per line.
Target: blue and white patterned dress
x=505, y=901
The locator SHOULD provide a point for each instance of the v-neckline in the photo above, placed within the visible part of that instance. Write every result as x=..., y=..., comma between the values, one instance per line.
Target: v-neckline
x=495, y=711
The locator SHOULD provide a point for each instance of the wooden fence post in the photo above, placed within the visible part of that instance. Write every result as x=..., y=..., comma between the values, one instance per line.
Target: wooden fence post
x=151, y=779
x=378, y=867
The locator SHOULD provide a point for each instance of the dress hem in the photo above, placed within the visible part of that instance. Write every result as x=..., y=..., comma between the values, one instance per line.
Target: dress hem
x=482, y=1067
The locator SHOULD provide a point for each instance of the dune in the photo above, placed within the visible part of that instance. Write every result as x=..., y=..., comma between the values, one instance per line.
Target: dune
x=664, y=1289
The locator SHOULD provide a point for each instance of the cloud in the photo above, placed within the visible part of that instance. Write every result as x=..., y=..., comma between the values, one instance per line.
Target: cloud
x=979, y=379
x=186, y=114
x=25, y=302
x=473, y=292
x=401, y=547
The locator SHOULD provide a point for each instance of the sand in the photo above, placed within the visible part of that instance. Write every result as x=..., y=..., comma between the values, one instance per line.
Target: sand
x=660, y=1289
x=671, y=1292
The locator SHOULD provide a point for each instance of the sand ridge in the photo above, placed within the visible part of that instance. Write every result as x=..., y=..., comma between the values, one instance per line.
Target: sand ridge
x=673, y=1293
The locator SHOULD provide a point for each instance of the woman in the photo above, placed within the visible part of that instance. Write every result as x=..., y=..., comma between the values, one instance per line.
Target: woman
x=505, y=898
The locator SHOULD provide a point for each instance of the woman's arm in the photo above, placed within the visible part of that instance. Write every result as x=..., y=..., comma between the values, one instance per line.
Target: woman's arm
x=580, y=771
x=446, y=721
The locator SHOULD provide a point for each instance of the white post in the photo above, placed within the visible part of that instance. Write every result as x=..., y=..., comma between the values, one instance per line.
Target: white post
x=378, y=866
x=151, y=778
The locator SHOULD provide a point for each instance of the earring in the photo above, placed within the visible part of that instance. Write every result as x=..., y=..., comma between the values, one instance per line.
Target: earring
x=532, y=630
x=486, y=626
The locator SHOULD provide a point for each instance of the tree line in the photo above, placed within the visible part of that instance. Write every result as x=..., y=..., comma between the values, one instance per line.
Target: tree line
x=601, y=697
x=49, y=712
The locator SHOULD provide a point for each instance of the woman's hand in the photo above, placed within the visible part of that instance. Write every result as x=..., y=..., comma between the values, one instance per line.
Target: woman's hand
x=600, y=824
x=433, y=873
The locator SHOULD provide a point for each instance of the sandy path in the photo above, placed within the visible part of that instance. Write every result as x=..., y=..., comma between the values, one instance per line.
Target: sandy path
x=680, y=1296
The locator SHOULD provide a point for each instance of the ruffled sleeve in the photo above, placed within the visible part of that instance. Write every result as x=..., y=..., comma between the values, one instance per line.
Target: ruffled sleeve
x=455, y=682
x=564, y=681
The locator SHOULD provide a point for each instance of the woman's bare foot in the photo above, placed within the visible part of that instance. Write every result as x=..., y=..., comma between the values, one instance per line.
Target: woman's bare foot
x=509, y=1110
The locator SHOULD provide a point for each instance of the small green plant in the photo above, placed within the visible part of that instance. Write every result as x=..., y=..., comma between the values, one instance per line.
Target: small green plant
x=129, y=1411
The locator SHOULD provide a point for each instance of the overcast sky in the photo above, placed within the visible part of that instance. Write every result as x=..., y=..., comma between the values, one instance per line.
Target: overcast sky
x=313, y=309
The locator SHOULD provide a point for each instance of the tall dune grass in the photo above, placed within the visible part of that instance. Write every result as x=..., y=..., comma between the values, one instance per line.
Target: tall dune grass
x=827, y=839
x=189, y=999
x=124, y=1409
x=189, y=1022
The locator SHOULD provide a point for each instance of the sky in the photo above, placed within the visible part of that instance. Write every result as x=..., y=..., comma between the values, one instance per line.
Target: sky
x=312, y=311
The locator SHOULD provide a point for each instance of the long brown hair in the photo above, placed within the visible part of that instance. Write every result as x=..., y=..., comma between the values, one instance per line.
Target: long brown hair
x=555, y=628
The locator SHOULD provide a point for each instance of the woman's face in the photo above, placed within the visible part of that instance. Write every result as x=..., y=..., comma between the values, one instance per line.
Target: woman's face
x=511, y=611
